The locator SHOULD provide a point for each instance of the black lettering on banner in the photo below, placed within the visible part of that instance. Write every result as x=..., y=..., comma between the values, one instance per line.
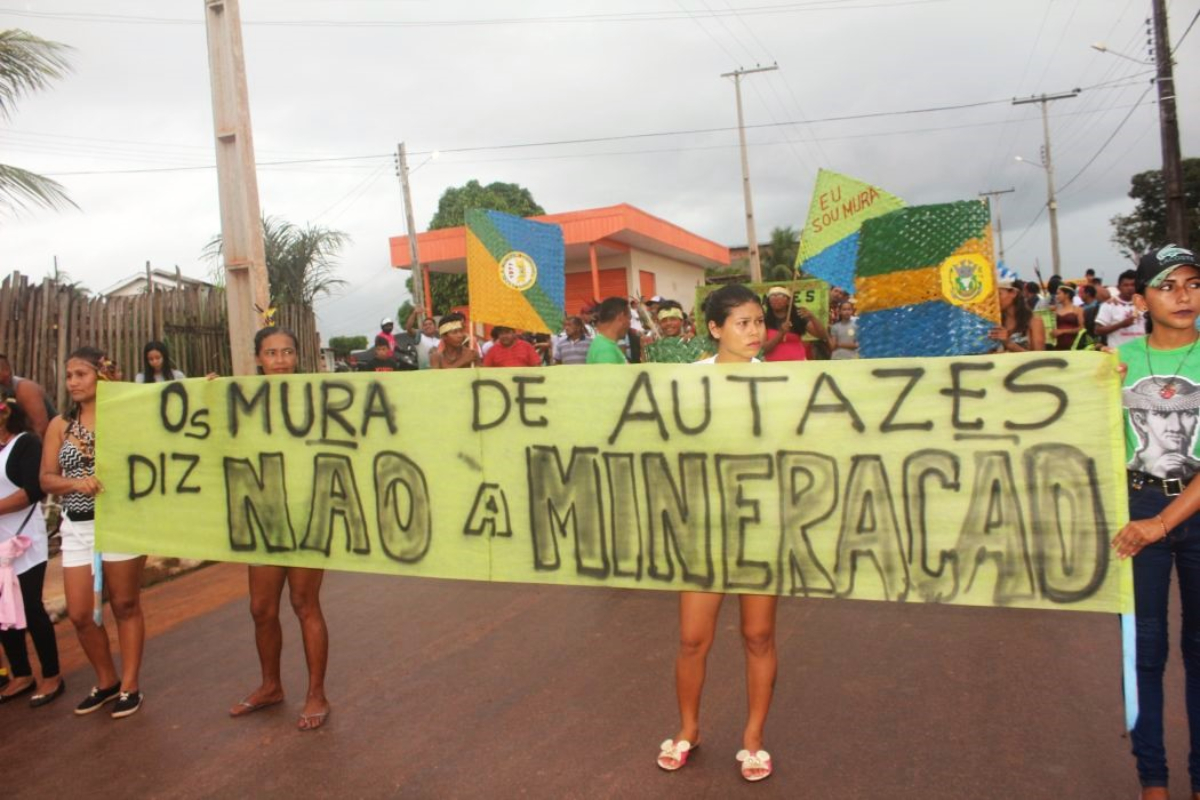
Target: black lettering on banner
x=176, y=390
x=332, y=407
x=310, y=414
x=957, y=392
x=489, y=513
x=753, y=381
x=625, y=521
x=842, y=406
x=692, y=430
x=1012, y=385
x=134, y=462
x=198, y=420
x=239, y=405
x=739, y=512
x=995, y=529
x=192, y=461
x=680, y=519
x=566, y=502
x=477, y=424
x=808, y=495
x=335, y=498
x=400, y=486
x=525, y=399
x=258, y=504
x=914, y=376
x=378, y=407
x=642, y=384
x=934, y=584
x=870, y=530
x=1071, y=556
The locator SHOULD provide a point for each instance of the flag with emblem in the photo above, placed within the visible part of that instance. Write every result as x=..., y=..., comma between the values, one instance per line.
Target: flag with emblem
x=829, y=243
x=926, y=282
x=515, y=271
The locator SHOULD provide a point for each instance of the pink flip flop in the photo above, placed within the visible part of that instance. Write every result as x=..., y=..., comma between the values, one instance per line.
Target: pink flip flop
x=673, y=755
x=755, y=766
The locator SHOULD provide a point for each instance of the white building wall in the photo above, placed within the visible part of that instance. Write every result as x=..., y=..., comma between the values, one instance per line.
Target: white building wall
x=674, y=280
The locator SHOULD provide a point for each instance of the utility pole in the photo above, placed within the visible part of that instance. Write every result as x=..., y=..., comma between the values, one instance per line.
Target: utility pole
x=246, y=287
x=751, y=236
x=1177, y=227
x=1048, y=165
x=419, y=292
x=999, y=229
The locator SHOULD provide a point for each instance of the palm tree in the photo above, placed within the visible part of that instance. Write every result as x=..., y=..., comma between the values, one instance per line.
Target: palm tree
x=301, y=262
x=27, y=64
x=782, y=249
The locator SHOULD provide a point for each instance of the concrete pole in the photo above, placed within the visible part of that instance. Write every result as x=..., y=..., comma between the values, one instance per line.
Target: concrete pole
x=995, y=193
x=1048, y=166
x=247, y=291
x=420, y=292
x=751, y=235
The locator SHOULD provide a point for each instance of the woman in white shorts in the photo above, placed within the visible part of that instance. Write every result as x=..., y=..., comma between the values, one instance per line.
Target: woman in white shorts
x=69, y=471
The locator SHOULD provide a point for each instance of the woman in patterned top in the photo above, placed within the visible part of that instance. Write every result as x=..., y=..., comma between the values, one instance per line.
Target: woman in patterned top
x=672, y=347
x=69, y=470
x=275, y=351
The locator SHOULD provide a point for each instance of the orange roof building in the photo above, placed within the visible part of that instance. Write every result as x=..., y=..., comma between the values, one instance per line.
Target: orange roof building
x=614, y=251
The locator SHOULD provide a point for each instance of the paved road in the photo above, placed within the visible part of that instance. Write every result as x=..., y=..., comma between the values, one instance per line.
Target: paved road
x=456, y=689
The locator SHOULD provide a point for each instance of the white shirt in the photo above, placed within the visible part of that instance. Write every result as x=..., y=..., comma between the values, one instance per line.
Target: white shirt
x=1116, y=311
x=713, y=360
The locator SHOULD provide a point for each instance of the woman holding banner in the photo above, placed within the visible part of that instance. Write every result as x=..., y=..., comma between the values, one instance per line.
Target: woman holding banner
x=735, y=324
x=69, y=470
x=786, y=325
x=1020, y=330
x=276, y=351
x=1162, y=407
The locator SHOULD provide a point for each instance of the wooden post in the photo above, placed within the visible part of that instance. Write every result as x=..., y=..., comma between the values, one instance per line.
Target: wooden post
x=149, y=303
x=241, y=219
x=595, y=272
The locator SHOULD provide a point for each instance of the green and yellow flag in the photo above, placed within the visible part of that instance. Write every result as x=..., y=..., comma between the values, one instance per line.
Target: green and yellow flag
x=515, y=271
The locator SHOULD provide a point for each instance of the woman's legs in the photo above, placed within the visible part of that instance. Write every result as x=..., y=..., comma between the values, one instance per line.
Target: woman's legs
x=93, y=638
x=1151, y=585
x=304, y=586
x=266, y=586
x=697, y=627
x=1187, y=564
x=124, y=582
x=41, y=630
x=758, y=639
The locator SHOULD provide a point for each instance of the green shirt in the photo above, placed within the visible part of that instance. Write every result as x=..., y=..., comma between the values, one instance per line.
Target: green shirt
x=604, y=350
x=1161, y=396
x=674, y=350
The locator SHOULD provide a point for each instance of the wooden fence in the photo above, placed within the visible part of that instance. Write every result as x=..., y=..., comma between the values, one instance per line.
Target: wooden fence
x=40, y=323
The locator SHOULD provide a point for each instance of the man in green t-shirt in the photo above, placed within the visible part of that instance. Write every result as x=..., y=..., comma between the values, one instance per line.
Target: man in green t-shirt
x=612, y=323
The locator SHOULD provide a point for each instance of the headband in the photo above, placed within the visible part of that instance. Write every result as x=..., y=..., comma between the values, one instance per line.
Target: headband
x=670, y=313
x=778, y=290
x=453, y=325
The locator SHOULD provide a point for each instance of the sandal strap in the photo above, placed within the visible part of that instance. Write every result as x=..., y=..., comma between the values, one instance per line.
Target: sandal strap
x=760, y=759
x=673, y=749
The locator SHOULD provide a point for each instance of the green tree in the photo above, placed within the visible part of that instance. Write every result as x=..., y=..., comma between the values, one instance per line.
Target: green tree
x=343, y=346
x=450, y=290
x=28, y=64
x=779, y=258
x=1146, y=226
x=301, y=262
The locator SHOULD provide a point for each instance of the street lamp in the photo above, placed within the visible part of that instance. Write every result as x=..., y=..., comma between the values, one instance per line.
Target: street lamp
x=1103, y=48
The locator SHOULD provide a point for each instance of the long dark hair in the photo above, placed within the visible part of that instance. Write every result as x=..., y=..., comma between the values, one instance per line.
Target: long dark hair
x=17, y=422
x=95, y=358
x=168, y=366
x=1021, y=310
x=721, y=303
x=264, y=333
x=773, y=323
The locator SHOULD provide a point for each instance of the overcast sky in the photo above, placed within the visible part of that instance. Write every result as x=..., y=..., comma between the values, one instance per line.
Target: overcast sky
x=331, y=79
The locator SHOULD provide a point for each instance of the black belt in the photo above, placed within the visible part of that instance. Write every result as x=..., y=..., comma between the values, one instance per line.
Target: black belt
x=1170, y=486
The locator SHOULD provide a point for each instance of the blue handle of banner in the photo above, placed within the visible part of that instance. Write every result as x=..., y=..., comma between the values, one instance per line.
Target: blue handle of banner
x=1129, y=668
x=97, y=590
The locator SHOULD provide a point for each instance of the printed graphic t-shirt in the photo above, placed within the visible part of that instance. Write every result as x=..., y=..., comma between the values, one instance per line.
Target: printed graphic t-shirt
x=1161, y=411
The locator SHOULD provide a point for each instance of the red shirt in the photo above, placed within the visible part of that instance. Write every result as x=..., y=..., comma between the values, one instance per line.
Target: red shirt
x=521, y=354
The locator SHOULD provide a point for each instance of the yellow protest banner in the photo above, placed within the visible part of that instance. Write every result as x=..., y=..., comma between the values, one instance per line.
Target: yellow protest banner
x=993, y=481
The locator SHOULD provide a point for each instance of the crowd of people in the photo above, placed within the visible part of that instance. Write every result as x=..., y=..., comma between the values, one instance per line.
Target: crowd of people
x=1149, y=319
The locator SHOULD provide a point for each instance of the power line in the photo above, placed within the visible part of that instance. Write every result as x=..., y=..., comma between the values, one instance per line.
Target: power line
x=660, y=15
x=1107, y=141
x=1186, y=31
